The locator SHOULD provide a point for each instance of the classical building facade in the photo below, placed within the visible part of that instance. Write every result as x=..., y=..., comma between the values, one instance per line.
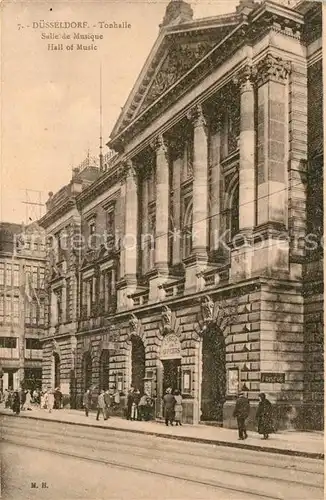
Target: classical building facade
x=200, y=257
x=22, y=304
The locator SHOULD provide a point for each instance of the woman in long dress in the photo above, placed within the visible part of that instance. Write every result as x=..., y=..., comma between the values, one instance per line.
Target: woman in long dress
x=178, y=408
x=264, y=416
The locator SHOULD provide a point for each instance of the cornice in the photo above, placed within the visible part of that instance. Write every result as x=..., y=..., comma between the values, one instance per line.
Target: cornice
x=57, y=212
x=269, y=16
x=107, y=180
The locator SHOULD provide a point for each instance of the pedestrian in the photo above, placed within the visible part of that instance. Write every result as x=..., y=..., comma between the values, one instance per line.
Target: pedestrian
x=143, y=407
x=264, y=416
x=107, y=401
x=50, y=400
x=241, y=413
x=130, y=400
x=116, y=399
x=57, y=398
x=6, y=398
x=178, y=407
x=28, y=400
x=43, y=399
x=169, y=404
x=16, y=404
x=22, y=397
x=101, y=406
x=87, y=399
x=134, y=408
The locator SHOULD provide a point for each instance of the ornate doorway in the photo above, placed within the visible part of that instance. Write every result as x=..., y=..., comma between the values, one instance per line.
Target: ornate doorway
x=213, y=388
x=104, y=370
x=171, y=374
x=87, y=371
x=137, y=363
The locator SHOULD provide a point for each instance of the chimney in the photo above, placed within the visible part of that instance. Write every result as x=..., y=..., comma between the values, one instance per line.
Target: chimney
x=246, y=6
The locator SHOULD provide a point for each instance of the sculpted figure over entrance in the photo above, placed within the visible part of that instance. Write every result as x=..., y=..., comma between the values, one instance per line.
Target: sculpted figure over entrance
x=207, y=307
x=133, y=323
x=166, y=317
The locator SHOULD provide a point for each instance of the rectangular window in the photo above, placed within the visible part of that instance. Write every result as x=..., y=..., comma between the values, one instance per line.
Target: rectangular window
x=8, y=342
x=92, y=228
x=93, y=290
x=89, y=296
x=33, y=344
x=16, y=310
x=68, y=287
x=8, y=309
x=28, y=313
x=34, y=313
x=110, y=228
x=41, y=313
x=8, y=274
x=2, y=307
x=42, y=277
x=16, y=275
x=34, y=277
x=2, y=274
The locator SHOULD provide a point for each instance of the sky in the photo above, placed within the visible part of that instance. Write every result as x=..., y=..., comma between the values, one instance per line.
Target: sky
x=50, y=99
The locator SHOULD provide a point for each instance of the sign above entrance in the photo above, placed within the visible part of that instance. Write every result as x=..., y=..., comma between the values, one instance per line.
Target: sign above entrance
x=171, y=347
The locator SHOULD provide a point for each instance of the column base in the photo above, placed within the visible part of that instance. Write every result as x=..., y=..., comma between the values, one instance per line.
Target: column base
x=125, y=287
x=195, y=265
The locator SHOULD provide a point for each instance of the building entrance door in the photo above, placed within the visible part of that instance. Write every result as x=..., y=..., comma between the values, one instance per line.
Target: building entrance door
x=213, y=375
x=171, y=374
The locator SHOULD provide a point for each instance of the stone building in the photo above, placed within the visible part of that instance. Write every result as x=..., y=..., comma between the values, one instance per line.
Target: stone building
x=22, y=304
x=200, y=260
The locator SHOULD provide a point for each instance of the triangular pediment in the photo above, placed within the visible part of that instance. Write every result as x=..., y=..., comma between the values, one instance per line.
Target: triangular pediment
x=177, y=50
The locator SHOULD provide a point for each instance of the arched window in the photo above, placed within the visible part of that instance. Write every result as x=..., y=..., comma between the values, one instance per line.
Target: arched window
x=187, y=230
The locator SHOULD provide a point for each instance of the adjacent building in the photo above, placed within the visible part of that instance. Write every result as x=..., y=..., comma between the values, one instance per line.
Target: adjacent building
x=192, y=257
x=22, y=304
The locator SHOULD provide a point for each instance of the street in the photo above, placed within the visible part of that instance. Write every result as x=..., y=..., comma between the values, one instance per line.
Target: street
x=49, y=460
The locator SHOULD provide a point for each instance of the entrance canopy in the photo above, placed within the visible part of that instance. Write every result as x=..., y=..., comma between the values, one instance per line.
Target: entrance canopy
x=171, y=347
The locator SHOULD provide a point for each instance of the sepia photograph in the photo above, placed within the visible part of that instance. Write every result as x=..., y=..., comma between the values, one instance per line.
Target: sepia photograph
x=161, y=250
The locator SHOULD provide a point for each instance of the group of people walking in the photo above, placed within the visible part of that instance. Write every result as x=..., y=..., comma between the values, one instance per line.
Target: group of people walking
x=105, y=401
x=264, y=415
x=139, y=406
x=19, y=400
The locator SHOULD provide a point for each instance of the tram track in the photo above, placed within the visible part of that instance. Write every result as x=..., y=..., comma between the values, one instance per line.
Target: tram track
x=112, y=463
x=177, y=458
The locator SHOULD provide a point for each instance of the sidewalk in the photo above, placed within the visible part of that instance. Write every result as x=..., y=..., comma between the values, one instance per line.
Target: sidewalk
x=305, y=444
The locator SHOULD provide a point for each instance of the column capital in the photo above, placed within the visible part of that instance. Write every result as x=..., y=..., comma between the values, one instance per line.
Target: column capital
x=196, y=116
x=159, y=145
x=128, y=170
x=245, y=78
x=271, y=68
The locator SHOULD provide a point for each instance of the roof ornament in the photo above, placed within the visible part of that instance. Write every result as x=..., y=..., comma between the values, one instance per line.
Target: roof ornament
x=177, y=12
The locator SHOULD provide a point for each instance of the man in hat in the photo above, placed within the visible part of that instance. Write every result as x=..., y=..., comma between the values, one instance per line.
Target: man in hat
x=241, y=413
x=169, y=404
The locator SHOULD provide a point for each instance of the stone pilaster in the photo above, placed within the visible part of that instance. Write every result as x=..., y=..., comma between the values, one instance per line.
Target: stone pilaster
x=271, y=137
x=271, y=252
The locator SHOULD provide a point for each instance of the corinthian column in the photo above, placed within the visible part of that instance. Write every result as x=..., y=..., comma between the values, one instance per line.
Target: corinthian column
x=162, y=205
x=247, y=188
x=131, y=219
x=200, y=184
